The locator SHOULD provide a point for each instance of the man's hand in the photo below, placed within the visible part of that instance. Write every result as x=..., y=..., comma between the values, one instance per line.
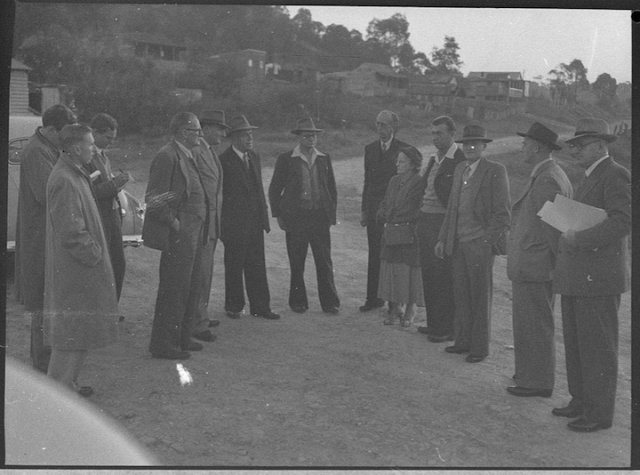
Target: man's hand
x=281, y=223
x=438, y=250
x=175, y=225
x=120, y=180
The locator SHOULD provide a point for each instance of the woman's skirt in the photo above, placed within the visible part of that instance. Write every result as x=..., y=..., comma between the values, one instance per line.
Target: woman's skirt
x=400, y=283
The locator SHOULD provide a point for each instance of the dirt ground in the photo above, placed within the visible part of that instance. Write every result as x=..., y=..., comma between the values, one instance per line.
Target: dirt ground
x=316, y=390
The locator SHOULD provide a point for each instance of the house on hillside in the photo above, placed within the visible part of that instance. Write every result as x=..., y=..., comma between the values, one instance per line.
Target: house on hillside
x=249, y=65
x=434, y=89
x=301, y=63
x=166, y=55
x=497, y=86
x=19, y=89
x=369, y=80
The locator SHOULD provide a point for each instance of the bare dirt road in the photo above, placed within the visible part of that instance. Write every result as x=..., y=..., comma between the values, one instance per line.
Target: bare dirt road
x=317, y=390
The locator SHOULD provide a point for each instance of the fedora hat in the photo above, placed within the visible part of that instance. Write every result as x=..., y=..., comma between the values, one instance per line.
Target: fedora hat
x=240, y=123
x=474, y=133
x=596, y=128
x=542, y=134
x=213, y=117
x=305, y=125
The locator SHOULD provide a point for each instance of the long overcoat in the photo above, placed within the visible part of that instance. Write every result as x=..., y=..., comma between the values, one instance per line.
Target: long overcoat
x=36, y=162
x=533, y=244
x=80, y=304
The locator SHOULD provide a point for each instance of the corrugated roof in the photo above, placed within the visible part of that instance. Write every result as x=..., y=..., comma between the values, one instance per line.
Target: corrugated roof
x=495, y=75
x=15, y=64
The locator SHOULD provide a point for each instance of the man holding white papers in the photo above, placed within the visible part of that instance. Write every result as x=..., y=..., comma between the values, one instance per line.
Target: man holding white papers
x=592, y=271
x=531, y=255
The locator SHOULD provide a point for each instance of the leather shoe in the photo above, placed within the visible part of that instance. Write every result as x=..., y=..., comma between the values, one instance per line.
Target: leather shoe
x=171, y=354
x=424, y=330
x=584, y=425
x=474, y=358
x=299, y=308
x=439, y=338
x=192, y=346
x=85, y=391
x=568, y=411
x=205, y=335
x=371, y=305
x=528, y=392
x=269, y=315
x=455, y=349
x=234, y=315
x=214, y=323
x=331, y=310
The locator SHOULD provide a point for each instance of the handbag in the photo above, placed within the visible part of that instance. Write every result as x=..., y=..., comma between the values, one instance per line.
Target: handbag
x=398, y=234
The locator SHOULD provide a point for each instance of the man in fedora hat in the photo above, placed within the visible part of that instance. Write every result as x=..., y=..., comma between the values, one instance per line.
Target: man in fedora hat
x=177, y=227
x=531, y=255
x=473, y=231
x=243, y=222
x=303, y=197
x=437, y=281
x=213, y=130
x=380, y=158
x=592, y=270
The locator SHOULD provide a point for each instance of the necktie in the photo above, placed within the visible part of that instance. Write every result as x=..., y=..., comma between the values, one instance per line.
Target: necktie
x=466, y=175
x=384, y=147
x=245, y=160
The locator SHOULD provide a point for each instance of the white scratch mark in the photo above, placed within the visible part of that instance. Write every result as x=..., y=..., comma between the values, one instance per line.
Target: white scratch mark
x=185, y=376
x=594, y=45
x=439, y=456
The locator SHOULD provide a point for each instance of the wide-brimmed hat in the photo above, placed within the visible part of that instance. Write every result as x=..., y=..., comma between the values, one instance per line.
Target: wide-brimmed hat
x=305, y=125
x=213, y=117
x=240, y=124
x=596, y=128
x=474, y=132
x=542, y=134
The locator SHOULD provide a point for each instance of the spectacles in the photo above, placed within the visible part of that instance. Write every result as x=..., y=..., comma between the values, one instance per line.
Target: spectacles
x=198, y=131
x=472, y=146
x=583, y=145
x=308, y=136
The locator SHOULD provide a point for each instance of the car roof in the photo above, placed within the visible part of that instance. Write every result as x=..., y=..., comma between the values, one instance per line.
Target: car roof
x=23, y=125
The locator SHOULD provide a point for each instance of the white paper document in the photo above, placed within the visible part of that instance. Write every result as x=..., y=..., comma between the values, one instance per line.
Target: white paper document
x=563, y=214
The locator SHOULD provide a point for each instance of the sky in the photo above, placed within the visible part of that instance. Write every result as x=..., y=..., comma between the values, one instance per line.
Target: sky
x=532, y=41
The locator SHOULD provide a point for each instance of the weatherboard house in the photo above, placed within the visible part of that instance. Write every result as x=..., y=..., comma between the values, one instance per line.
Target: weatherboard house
x=369, y=80
x=497, y=86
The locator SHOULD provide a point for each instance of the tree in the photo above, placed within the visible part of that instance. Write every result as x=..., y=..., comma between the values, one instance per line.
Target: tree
x=447, y=59
x=567, y=80
x=605, y=87
x=392, y=37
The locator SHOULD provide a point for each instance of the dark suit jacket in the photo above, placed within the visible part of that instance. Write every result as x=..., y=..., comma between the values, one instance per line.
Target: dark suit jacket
x=533, y=244
x=168, y=172
x=286, y=186
x=379, y=167
x=598, y=264
x=104, y=188
x=444, y=177
x=214, y=191
x=492, y=205
x=235, y=208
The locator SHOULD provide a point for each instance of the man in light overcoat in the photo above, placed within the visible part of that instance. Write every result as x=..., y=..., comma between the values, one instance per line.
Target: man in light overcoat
x=592, y=271
x=531, y=256
x=80, y=303
x=36, y=162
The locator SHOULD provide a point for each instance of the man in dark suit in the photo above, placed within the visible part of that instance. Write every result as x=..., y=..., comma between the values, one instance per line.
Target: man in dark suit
x=473, y=231
x=591, y=272
x=177, y=211
x=379, y=166
x=531, y=256
x=106, y=187
x=213, y=129
x=436, y=273
x=244, y=221
x=303, y=197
